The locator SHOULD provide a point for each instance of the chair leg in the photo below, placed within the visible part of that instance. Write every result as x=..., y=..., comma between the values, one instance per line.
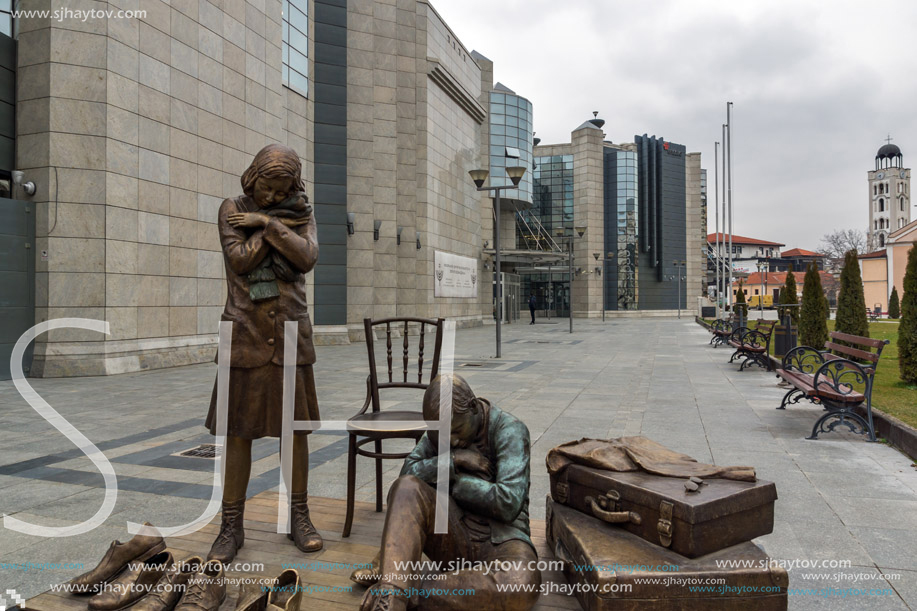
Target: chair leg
x=351, y=483
x=378, y=477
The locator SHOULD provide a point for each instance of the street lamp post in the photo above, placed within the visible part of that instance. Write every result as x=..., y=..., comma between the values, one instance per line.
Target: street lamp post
x=560, y=232
x=604, y=270
x=679, y=265
x=479, y=176
x=762, y=270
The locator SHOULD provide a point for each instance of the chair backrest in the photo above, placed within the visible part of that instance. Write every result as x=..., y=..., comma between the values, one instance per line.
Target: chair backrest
x=856, y=354
x=404, y=378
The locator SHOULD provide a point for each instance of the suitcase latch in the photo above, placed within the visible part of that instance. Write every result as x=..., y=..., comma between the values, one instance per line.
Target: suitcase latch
x=664, y=526
x=607, y=508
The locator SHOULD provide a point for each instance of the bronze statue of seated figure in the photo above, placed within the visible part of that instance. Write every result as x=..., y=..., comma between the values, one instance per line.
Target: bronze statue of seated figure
x=488, y=542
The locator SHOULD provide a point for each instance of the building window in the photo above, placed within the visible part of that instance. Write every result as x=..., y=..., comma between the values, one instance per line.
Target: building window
x=6, y=18
x=295, y=46
x=881, y=204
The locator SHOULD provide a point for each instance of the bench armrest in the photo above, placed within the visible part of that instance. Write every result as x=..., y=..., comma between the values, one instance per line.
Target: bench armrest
x=756, y=339
x=803, y=359
x=843, y=377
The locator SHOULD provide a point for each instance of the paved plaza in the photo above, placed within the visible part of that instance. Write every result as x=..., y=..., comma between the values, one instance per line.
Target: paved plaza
x=840, y=498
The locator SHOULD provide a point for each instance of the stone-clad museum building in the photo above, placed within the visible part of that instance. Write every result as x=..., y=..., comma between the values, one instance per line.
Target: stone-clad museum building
x=133, y=131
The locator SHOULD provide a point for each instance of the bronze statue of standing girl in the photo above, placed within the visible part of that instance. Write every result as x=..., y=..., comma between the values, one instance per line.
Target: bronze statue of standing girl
x=269, y=244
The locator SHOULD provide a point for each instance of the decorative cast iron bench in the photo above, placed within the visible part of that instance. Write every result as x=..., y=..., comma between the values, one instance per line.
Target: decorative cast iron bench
x=837, y=383
x=753, y=344
x=721, y=330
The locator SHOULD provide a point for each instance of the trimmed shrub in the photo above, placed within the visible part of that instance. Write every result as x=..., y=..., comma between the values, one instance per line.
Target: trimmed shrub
x=788, y=295
x=907, y=329
x=894, y=305
x=740, y=306
x=813, y=319
x=851, y=304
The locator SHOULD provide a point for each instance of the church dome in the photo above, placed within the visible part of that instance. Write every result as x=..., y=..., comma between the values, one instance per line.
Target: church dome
x=888, y=151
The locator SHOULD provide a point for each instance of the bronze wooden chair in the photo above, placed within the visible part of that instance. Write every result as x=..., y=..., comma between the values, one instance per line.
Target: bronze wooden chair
x=369, y=426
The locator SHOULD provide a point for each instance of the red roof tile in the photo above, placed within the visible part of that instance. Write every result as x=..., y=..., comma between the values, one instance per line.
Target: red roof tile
x=799, y=252
x=737, y=239
x=878, y=254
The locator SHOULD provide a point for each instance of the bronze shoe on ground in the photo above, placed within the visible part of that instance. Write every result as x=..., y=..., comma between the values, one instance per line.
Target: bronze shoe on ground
x=206, y=590
x=137, y=581
x=302, y=532
x=286, y=592
x=170, y=588
x=232, y=534
x=115, y=561
x=384, y=597
x=367, y=576
x=253, y=596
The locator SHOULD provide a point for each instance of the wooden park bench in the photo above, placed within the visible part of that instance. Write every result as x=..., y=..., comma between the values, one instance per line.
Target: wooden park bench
x=837, y=382
x=753, y=344
x=721, y=330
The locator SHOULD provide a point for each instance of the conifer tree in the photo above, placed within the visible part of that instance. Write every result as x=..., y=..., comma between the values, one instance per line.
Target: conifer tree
x=907, y=329
x=788, y=295
x=813, y=319
x=740, y=306
x=851, y=304
x=894, y=305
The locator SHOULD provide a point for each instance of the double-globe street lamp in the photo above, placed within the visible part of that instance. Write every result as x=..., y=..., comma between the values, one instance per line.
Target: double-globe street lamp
x=515, y=174
x=561, y=233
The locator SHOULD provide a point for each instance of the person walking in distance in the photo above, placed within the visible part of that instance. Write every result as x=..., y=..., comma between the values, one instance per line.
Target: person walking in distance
x=532, y=307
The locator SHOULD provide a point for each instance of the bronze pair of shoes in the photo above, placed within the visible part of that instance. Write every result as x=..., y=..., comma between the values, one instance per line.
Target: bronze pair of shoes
x=155, y=584
x=281, y=594
x=116, y=560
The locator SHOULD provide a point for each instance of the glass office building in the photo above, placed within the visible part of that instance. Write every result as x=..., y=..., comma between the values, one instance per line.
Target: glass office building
x=552, y=204
x=510, y=140
x=621, y=230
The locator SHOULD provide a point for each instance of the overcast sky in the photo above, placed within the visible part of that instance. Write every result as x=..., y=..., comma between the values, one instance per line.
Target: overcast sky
x=817, y=87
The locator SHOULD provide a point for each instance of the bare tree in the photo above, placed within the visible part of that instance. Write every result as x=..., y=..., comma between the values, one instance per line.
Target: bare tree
x=835, y=244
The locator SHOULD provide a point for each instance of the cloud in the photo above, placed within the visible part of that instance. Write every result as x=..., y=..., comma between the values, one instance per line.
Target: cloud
x=816, y=88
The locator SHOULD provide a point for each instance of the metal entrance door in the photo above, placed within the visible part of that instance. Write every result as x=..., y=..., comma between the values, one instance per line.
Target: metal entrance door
x=17, y=278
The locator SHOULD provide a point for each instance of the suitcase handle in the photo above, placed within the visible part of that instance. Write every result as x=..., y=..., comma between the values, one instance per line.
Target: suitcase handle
x=613, y=517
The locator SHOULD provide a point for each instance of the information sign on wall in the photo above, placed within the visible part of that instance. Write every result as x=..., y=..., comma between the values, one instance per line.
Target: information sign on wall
x=454, y=275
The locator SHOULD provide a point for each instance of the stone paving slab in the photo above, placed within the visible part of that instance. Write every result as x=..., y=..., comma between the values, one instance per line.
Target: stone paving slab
x=840, y=497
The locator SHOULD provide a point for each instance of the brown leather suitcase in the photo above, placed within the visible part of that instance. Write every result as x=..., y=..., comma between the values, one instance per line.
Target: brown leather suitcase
x=722, y=512
x=611, y=569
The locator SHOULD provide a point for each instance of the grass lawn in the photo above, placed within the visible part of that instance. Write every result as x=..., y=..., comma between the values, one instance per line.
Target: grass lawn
x=890, y=394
